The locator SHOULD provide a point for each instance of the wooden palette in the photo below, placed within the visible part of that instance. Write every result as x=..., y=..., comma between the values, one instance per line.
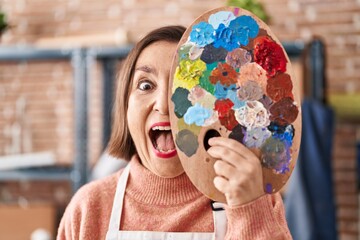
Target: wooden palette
x=231, y=77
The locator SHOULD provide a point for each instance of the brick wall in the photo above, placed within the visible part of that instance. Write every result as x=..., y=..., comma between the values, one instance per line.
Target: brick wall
x=43, y=21
x=345, y=177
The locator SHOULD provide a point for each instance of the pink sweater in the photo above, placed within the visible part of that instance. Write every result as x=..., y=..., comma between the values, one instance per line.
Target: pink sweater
x=153, y=203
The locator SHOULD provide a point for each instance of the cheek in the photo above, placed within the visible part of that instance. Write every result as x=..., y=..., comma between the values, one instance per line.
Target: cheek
x=136, y=116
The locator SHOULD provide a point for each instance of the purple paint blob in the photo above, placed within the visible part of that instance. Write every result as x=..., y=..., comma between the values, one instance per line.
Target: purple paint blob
x=236, y=11
x=275, y=155
x=268, y=188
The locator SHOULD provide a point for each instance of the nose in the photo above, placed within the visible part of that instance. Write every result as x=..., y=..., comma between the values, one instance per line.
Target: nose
x=161, y=103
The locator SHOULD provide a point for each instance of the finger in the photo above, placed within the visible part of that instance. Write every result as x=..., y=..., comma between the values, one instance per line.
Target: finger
x=221, y=184
x=224, y=169
x=232, y=144
x=227, y=155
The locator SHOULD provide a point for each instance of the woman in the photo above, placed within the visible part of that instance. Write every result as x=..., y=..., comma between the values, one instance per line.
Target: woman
x=153, y=198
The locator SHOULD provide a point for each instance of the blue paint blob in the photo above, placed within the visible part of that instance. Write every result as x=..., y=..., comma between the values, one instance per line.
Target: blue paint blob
x=202, y=34
x=197, y=114
x=237, y=34
x=246, y=27
x=232, y=95
x=226, y=38
x=222, y=17
x=287, y=136
x=181, y=101
x=221, y=91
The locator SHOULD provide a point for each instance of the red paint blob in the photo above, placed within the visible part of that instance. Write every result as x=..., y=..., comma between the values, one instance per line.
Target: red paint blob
x=284, y=112
x=279, y=87
x=269, y=55
x=226, y=113
x=223, y=106
x=229, y=121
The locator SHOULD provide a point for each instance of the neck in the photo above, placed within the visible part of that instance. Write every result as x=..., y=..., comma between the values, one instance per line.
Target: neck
x=148, y=188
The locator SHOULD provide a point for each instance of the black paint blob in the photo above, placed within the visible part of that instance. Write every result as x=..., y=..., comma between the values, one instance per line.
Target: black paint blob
x=212, y=54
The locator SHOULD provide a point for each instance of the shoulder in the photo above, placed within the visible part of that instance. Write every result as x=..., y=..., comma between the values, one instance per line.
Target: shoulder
x=98, y=190
x=93, y=199
x=89, y=209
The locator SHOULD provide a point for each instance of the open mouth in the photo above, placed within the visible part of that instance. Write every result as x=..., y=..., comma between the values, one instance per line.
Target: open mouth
x=162, y=140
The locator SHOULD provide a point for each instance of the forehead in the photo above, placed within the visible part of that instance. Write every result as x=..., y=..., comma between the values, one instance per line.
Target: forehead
x=157, y=52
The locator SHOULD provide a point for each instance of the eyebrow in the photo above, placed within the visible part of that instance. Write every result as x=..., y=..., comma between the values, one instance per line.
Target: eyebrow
x=146, y=68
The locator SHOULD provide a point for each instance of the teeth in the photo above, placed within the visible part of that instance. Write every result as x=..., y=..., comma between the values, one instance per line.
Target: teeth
x=164, y=151
x=162, y=128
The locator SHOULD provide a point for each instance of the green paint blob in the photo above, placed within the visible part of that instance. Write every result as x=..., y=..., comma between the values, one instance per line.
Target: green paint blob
x=205, y=83
x=181, y=102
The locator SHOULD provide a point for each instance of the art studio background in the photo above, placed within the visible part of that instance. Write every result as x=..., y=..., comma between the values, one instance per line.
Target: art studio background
x=58, y=62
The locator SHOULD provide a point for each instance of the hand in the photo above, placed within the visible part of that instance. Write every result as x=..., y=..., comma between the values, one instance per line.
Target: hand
x=239, y=171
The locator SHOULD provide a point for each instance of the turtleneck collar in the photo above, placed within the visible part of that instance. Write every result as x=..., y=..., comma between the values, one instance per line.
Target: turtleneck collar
x=148, y=188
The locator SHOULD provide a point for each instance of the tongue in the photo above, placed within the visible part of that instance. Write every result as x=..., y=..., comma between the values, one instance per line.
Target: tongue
x=164, y=141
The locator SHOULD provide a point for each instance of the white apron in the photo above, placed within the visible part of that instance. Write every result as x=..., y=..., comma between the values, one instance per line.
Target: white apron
x=114, y=233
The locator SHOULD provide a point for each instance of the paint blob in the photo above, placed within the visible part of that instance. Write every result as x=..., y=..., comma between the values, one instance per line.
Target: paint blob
x=197, y=115
x=252, y=72
x=193, y=128
x=268, y=188
x=279, y=87
x=180, y=101
x=212, y=54
x=275, y=155
x=269, y=55
x=238, y=57
x=233, y=96
x=228, y=120
x=224, y=74
x=187, y=142
x=237, y=133
x=188, y=73
x=252, y=115
x=202, y=34
x=222, y=17
x=284, y=111
x=251, y=91
x=256, y=137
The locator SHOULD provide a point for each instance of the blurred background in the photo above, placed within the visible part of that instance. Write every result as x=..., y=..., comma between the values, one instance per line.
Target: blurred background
x=58, y=63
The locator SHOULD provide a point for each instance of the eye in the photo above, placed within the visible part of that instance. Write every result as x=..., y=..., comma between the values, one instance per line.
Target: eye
x=145, y=85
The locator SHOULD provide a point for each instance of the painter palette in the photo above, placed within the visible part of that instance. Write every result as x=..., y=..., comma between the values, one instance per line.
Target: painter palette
x=232, y=78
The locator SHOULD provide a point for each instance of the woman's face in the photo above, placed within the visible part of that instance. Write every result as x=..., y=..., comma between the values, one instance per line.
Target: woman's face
x=148, y=112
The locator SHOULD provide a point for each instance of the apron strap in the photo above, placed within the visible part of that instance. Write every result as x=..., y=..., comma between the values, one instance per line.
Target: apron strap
x=220, y=220
x=116, y=212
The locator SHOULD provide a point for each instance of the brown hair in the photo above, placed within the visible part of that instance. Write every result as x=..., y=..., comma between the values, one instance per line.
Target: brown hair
x=121, y=144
